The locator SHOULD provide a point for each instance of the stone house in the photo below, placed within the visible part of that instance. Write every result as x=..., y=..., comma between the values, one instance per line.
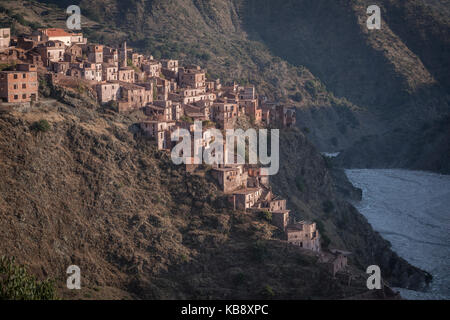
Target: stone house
x=5, y=38
x=75, y=50
x=133, y=97
x=78, y=38
x=159, y=130
x=109, y=72
x=230, y=178
x=189, y=95
x=195, y=112
x=280, y=219
x=213, y=85
x=52, y=51
x=55, y=34
x=169, y=64
x=60, y=67
x=95, y=53
x=252, y=110
x=280, y=115
x=152, y=69
x=247, y=93
x=111, y=56
x=334, y=262
x=304, y=234
x=126, y=74
x=224, y=114
x=246, y=198
x=107, y=92
x=256, y=178
x=32, y=57
x=88, y=71
x=20, y=85
x=137, y=59
x=192, y=77
x=164, y=109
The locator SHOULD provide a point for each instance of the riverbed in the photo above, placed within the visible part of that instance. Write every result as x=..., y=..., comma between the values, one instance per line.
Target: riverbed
x=411, y=209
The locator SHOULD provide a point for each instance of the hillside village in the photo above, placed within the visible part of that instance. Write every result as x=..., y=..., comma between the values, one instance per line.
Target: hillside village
x=171, y=97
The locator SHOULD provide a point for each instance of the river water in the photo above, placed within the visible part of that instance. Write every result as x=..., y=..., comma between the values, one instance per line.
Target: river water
x=411, y=209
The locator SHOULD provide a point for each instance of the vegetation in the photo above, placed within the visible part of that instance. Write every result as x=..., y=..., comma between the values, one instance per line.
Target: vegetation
x=17, y=284
x=296, y=97
x=266, y=215
x=324, y=239
x=268, y=292
x=187, y=119
x=41, y=126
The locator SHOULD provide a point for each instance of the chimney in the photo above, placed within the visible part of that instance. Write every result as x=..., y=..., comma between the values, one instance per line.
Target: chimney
x=124, y=55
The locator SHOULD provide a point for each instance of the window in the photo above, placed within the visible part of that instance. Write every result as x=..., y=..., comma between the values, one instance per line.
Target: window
x=15, y=76
x=15, y=86
x=24, y=86
x=16, y=97
x=24, y=96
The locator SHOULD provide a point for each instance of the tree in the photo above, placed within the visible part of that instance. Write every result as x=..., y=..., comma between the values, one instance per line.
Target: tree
x=41, y=125
x=17, y=284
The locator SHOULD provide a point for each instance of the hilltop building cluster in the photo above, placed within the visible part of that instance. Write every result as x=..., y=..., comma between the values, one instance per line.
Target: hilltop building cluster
x=249, y=190
x=169, y=95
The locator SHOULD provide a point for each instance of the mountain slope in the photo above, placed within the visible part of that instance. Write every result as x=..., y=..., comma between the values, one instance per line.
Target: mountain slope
x=90, y=192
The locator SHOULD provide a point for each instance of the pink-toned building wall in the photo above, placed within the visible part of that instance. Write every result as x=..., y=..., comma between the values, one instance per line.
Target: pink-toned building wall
x=20, y=85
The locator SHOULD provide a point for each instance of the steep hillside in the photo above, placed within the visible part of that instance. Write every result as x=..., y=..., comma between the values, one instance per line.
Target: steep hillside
x=90, y=192
x=398, y=74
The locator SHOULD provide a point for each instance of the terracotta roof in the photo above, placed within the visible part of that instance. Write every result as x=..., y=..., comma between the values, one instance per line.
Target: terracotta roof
x=55, y=32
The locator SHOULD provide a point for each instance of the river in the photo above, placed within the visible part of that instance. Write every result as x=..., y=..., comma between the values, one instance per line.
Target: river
x=411, y=209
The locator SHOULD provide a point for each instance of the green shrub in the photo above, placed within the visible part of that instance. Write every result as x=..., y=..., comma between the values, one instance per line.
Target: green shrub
x=311, y=87
x=41, y=126
x=266, y=215
x=324, y=240
x=296, y=97
x=112, y=105
x=268, y=292
x=17, y=284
